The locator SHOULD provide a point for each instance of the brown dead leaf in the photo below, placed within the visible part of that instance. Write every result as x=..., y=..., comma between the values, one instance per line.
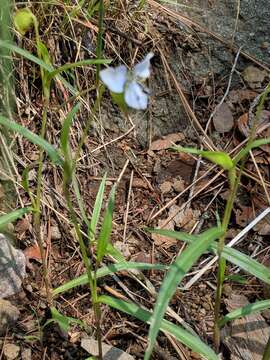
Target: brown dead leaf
x=22, y=226
x=161, y=240
x=184, y=219
x=223, y=119
x=139, y=183
x=33, y=253
x=237, y=96
x=166, y=142
x=244, y=216
x=263, y=227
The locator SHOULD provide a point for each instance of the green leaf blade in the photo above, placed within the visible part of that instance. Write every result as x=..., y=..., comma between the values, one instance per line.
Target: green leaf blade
x=107, y=270
x=12, y=216
x=106, y=228
x=244, y=311
x=188, y=339
x=35, y=139
x=174, y=276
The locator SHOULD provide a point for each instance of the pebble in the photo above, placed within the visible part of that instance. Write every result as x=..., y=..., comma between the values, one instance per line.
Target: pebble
x=26, y=354
x=12, y=268
x=55, y=233
x=8, y=315
x=166, y=187
x=11, y=351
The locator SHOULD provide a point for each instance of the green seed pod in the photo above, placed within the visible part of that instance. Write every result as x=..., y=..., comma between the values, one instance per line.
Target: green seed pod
x=24, y=19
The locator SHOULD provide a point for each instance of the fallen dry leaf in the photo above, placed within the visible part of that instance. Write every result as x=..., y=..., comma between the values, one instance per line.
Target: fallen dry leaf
x=33, y=253
x=244, y=216
x=223, y=119
x=166, y=142
x=237, y=96
x=161, y=240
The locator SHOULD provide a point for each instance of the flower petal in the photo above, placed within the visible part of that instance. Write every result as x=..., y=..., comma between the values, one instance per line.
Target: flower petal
x=135, y=97
x=142, y=69
x=114, y=78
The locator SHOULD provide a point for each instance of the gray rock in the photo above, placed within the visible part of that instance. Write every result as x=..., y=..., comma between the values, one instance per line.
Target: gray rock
x=12, y=268
x=109, y=352
x=8, y=315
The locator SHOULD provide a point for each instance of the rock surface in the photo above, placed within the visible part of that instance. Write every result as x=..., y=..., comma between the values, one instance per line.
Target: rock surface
x=12, y=268
x=8, y=315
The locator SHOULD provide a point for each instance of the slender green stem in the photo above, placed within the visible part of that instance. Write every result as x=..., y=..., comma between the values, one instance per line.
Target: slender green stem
x=266, y=354
x=99, y=37
x=37, y=212
x=234, y=184
x=92, y=279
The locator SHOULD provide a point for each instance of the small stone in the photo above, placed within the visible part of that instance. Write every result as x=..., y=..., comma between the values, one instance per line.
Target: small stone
x=254, y=76
x=227, y=290
x=223, y=119
x=12, y=268
x=55, y=233
x=11, y=351
x=8, y=315
x=264, y=45
x=26, y=354
x=179, y=185
x=166, y=187
x=206, y=305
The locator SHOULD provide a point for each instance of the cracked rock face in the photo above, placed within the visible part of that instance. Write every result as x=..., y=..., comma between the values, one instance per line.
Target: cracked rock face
x=12, y=268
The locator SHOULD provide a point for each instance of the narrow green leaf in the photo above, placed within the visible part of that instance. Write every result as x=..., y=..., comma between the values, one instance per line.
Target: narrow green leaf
x=69, y=66
x=35, y=139
x=217, y=157
x=64, y=136
x=25, y=184
x=257, y=143
x=12, y=216
x=63, y=321
x=176, y=272
x=79, y=198
x=246, y=263
x=41, y=63
x=116, y=254
x=97, y=209
x=244, y=311
x=107, y=270
x=234, y=256
x=191, y=341
x=106, y=228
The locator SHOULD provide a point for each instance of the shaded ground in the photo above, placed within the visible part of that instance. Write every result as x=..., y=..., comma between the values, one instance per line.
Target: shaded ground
x=201, y=67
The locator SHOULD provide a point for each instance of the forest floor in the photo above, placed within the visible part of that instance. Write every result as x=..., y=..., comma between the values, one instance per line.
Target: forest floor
x=203, y=86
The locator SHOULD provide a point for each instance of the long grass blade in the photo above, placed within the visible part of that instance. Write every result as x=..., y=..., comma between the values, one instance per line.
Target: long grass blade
x=174, y=276
x=106, y=228
x=107, y=270
x=12, y=216
x=244, y=311
x=234, y=256
x=97, y=209
x=191, y=341
x=35, y=139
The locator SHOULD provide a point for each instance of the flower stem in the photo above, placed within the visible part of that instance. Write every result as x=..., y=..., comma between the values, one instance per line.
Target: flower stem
x=234, y=184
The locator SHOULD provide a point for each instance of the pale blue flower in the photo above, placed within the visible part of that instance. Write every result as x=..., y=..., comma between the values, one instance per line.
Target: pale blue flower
x=120, y=80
